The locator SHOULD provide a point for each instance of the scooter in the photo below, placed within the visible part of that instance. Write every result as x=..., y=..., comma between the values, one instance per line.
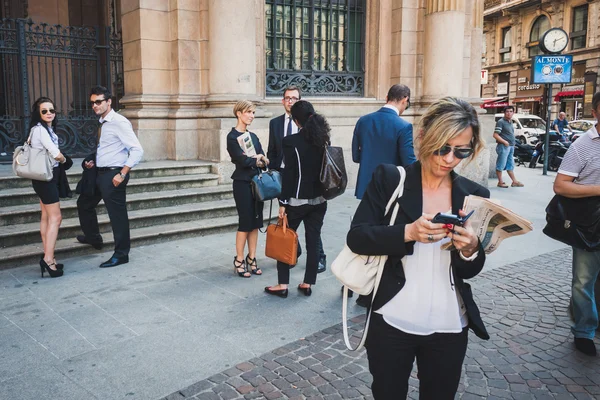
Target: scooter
x=523, y=153
x=556, y=153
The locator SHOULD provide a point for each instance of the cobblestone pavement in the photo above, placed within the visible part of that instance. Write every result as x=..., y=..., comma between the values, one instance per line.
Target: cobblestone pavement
x=530, y=354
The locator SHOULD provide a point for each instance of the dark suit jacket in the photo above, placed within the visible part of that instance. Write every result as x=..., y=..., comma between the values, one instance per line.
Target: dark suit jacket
x=370, y=234
x=87, y=184
x=381, y=137
x=64, y=190
x=302, y=168
x=245, y=167
x=275, y=149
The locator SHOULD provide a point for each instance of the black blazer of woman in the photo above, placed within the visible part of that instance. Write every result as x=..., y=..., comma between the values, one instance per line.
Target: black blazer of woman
x=300, y=178
x=370, y=234
x=245, y=167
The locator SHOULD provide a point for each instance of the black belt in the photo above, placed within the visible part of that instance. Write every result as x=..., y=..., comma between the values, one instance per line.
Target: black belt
x=104, y=169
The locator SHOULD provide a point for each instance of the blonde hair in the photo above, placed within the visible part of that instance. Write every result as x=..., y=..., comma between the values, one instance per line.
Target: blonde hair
x=243, y=106
x=444, y=120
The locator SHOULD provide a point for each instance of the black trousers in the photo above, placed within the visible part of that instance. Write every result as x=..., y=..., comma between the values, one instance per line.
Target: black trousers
x=391, y=355
x=313, y=217
x=116, y=205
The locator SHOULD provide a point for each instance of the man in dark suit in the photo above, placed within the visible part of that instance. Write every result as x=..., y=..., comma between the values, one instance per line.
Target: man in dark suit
x=280, y=127
x=382, y=137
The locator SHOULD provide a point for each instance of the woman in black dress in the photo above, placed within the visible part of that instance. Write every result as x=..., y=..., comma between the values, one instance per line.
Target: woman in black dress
x=302, y=195
x=250, y=212
x=43, y=136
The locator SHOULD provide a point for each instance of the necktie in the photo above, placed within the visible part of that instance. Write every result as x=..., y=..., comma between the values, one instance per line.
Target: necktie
x=100, y=131
x=289, y=127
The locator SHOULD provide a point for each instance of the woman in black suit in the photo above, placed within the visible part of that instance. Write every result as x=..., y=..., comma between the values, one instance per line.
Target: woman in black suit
x=423, y=307
x=250, y=212
x=301, y=193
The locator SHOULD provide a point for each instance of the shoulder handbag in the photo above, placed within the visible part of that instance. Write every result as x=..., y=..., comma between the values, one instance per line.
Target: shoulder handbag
x=266, y=185
x=362, y=274
x=575, y=222
x=333, y=175
x=32, y=163
x=282, y=242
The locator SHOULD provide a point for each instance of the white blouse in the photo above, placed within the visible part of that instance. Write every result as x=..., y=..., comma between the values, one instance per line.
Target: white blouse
x=45, y=139
x=428, y=303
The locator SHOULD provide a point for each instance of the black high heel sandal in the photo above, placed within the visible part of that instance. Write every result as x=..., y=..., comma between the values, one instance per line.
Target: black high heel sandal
x=54, y=273
x=242, y=265
x=59, y=266
x=253, y=266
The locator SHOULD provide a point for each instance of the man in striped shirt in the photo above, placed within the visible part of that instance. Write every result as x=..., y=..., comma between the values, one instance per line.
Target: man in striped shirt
x=579, y=176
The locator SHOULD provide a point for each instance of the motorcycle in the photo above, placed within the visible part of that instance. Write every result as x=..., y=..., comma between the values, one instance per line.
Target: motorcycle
x=523, y=153
x=556, y=153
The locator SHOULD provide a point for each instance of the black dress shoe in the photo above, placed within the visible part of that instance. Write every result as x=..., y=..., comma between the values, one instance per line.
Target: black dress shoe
x=82, y=239
x=307, y=291
x=586, y=346
x=321, y=268
x=280, y=293
x=114, y=261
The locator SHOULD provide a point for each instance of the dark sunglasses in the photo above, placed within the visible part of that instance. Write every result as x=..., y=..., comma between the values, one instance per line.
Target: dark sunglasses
x=459, y=152
x=407, y=104
x=97, y=102
x=51, y=111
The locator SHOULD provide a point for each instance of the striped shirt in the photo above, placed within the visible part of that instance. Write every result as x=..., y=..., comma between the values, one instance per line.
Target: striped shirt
x=582, y=160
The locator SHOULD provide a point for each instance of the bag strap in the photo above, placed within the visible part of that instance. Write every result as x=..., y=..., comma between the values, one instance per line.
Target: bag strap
x=396, y=195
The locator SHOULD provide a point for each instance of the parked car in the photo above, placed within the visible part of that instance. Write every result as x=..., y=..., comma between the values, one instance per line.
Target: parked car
x=527, y=127
x=579, y=127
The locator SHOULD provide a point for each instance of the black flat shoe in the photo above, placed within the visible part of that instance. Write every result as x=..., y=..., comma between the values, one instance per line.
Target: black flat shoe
x=114, y=261
x=83, y=240
x=586, y=346
x=307, y=291
x=283, y=293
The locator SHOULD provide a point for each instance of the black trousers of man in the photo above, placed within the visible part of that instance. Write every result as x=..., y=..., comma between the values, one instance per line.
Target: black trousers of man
x=313, y=217
x=116, y=205
x=391, y=355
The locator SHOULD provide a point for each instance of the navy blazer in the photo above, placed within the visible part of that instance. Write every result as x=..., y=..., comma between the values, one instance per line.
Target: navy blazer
x=370, y=233
x=381, y=137
x=275, y=149
x=245, y=167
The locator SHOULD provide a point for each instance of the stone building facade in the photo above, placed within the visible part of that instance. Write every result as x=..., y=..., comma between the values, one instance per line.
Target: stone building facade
x=186, y=62
x=512, y=29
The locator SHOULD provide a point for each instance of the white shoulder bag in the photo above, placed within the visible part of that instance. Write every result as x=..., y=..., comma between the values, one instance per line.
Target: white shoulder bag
x=362, y=274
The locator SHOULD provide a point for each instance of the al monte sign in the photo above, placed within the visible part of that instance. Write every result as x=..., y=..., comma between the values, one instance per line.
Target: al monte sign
x=551, y=69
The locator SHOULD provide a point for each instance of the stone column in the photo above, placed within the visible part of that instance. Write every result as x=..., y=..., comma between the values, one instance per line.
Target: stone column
x=476, y=24
x=443, y=52
x=232, y=49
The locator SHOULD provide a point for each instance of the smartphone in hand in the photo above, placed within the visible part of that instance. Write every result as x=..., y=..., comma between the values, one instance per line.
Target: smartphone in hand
x=443, y=218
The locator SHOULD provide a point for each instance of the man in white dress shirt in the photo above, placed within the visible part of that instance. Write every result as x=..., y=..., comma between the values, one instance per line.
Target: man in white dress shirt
x=119, y=150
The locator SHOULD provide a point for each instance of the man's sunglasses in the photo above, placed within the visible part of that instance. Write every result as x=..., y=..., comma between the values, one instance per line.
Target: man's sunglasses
x=51, y=111
x=459, y=152
x=97, y=102
x=407, y=104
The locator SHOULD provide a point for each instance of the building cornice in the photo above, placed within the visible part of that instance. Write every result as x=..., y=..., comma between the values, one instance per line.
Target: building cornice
x=435, y=6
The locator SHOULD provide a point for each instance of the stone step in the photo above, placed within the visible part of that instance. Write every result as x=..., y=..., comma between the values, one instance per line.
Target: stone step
x=152, y=169
x=30, y=213
x=21, y=234
x=24, y=254
x=20, y=196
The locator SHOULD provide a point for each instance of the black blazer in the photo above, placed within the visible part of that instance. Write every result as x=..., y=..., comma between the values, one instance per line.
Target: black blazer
x=370, y=234
x=245, y=167
x=87, y=184
x=275, y=149
x=302, y=168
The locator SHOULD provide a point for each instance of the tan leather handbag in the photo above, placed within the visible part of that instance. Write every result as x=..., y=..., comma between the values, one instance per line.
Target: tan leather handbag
x=282, y=242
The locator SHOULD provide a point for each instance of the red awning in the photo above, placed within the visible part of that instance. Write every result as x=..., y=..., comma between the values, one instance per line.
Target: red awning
x=527, y=99
x=495, y=104
x=568, y=93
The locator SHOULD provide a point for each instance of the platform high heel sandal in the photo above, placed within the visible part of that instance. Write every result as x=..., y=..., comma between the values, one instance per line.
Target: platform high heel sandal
x=240, y=268
x=251, y=262
x=54, y=273
x=59, y=266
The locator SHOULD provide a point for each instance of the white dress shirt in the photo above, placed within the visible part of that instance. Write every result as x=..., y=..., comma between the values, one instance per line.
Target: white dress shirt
x=286, y=122
x=391, y=107
x=118, y=145
x=45, y=139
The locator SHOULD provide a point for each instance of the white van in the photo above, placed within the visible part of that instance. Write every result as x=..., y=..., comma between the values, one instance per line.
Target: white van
x=527, y=127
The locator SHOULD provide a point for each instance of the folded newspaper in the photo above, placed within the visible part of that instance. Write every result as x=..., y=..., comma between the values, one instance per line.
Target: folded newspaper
x=245, y=142
x=492, y=223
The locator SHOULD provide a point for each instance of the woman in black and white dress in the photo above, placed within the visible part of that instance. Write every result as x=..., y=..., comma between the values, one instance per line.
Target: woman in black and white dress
x=43, y=136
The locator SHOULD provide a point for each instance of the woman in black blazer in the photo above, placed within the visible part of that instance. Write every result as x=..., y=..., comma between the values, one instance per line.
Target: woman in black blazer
x=423, y=307
x=250, y=212
x=302, y=195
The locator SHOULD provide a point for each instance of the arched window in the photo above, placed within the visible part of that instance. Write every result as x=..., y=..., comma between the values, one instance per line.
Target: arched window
x=541, y=25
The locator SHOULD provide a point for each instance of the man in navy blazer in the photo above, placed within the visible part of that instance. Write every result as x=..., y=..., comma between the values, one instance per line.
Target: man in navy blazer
x=279, y=127
x=382, y=137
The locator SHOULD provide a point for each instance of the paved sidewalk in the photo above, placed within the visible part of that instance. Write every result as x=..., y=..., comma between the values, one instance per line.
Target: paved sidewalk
x=177, y=315
x=530, y=354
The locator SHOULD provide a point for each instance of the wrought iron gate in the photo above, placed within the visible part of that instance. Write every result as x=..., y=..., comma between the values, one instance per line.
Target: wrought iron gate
x=60, y=62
